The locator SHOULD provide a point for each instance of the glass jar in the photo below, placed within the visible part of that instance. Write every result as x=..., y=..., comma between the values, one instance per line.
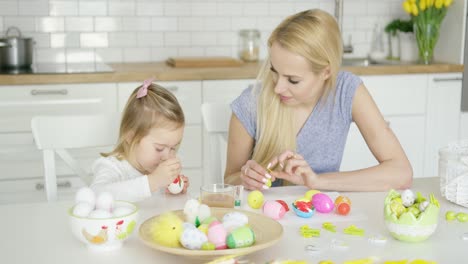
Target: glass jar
x=453, y=172
x=249, y=44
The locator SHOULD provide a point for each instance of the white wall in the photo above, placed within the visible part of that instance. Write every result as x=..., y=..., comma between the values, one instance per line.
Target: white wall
x=82, y=31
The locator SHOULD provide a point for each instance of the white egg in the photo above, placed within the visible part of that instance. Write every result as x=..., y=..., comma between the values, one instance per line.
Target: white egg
x=187, y=225
x=85, y=194
x=99, y=214
x=176, y=186
x=82, y=209
x=121, y=211
x=105, y=201
x=407, y=198
x=203, y=212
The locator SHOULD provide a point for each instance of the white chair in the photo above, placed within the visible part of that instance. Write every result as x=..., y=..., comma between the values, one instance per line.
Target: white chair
x=55, y=134
x=216, y=117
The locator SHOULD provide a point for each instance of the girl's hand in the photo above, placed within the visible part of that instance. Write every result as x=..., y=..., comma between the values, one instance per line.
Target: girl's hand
x=253, y=176
x=165, y=173
x=295, y=169
x=186, y=183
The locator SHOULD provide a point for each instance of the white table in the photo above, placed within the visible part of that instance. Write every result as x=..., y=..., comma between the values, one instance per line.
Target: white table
x=39, y=233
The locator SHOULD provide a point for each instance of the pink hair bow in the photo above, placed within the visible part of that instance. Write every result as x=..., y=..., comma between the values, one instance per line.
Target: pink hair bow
x=143, y=91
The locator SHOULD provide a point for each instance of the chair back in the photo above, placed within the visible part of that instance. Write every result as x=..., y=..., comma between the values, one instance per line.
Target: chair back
x=216, y=117
x=55, y=134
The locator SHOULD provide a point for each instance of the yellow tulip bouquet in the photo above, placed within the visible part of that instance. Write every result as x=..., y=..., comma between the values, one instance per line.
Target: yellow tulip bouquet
x=427, y=16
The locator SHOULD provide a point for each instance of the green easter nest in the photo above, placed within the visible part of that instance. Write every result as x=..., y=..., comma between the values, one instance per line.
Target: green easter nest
x=408, y=227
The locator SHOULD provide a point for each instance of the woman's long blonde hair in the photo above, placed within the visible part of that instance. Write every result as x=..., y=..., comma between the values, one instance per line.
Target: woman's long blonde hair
x=314, y=35
x=158, y=108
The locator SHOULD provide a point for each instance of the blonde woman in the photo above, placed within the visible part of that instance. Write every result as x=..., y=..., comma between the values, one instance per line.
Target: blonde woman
x=293, y=127
x=144, y=159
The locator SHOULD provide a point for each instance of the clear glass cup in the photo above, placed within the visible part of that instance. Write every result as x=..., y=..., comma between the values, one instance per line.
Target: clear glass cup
x=218, y=195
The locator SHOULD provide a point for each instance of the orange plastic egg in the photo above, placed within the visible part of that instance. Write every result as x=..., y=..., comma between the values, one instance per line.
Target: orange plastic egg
x=342, y=199
x=343, y=208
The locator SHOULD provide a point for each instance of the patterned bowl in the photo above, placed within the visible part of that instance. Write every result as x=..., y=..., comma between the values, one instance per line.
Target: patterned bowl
x=408, y=227
x=104, y=234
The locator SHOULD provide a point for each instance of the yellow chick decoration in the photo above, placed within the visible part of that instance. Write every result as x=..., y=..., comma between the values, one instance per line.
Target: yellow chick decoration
x=167, y=229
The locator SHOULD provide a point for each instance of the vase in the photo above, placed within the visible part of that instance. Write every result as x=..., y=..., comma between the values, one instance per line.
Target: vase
x=427, y=35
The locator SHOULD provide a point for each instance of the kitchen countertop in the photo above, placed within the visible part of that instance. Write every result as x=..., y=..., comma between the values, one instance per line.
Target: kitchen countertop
x=40, y=233
x=131, y=72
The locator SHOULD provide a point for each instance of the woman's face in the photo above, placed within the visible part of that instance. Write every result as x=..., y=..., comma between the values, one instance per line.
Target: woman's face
x=295, y=83
x=158, y=145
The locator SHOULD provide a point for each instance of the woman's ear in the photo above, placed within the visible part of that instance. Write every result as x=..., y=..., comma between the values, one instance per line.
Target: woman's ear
x=326, y=73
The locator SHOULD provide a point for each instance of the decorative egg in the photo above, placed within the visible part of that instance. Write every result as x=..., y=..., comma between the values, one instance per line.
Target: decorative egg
x=240, y=237
x=234, y=220
x=217, y=235
x=105, y=201
x=82, y=209
x=122, y=211
x=193, y=238
x=284, y=204
x=310, y=193
x=255, y=199
x=342, y=205
x=303, y=209
x=407, y=197
x=85, y=194
x=176, y=186
x=274, y=209
x=99, y=214
x=322, y=203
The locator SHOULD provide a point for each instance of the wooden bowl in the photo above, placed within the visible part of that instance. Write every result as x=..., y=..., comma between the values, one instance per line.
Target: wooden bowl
x=267, y=233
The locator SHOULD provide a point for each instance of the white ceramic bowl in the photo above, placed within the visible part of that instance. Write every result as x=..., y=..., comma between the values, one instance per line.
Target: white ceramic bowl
x=104, y=234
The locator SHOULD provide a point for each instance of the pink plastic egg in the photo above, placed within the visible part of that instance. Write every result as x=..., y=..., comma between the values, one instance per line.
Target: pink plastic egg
x=274, y=209
x=217, y=235
x=322, y=203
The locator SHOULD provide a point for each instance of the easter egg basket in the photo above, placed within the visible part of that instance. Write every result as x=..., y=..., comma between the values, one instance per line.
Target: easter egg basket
x=453, y=172
x=266, y=230
x=408, y=227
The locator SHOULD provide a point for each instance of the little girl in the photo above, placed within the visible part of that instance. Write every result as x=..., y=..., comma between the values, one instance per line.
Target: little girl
x=144, y=159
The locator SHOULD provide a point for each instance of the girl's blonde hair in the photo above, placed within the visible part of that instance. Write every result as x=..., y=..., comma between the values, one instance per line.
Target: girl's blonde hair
x=158, y=108
x=314, y=35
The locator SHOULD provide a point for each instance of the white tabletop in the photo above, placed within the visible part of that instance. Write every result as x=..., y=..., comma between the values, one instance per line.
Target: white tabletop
x=39, y=233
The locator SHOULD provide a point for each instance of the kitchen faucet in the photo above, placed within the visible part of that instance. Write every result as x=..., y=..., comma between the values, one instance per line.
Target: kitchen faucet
x=339, y=18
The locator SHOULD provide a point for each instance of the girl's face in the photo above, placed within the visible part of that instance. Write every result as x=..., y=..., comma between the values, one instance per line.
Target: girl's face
x=158, y=145
x=295, y=83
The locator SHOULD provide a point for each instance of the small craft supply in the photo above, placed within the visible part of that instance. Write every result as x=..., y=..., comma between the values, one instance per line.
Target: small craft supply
x=377, y=239
x=329, y=227
x=308, y=232
x=353, y=230
x=176, y=186
x=312, y=249
x=370, y=260
x=339, y=244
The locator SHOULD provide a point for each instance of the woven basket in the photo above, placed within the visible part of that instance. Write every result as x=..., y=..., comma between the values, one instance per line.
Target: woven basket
x=453, y=172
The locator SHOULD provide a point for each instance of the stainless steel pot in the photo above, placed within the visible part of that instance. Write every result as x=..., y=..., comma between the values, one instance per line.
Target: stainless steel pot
x=16, y=51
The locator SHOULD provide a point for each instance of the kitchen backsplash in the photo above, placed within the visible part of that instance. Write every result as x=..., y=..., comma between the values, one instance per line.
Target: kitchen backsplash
x=94, y=31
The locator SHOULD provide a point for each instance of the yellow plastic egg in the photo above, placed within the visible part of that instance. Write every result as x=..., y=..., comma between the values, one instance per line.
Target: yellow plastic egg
x=255, y=199
x=308, y=195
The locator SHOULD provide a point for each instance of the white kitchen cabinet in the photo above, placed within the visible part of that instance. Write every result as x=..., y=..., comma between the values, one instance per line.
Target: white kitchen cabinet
x=188, y=94
x=443, y=117
x=402, y=101
x=20, y=161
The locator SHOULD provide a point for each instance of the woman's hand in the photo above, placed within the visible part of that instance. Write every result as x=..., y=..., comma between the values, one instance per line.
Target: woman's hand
x=253, y=176
x=294, y=169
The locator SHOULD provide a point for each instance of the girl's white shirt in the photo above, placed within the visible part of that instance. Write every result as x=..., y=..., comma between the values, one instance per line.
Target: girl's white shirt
x=120, y=178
